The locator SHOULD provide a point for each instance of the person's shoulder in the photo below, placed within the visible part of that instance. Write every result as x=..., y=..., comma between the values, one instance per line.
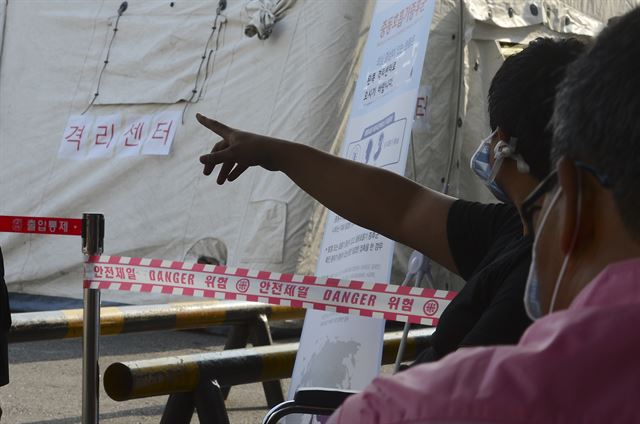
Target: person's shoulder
x=495, y=214
x=507, y=217
x=494, y=208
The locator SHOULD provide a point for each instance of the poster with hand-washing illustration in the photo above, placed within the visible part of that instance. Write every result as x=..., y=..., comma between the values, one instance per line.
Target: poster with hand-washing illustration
x=341, y=351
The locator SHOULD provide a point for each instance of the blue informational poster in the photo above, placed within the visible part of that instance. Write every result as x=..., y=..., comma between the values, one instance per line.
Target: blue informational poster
x=344, y=351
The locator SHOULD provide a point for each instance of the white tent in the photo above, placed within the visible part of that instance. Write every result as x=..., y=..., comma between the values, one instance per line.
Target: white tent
x=295, y=84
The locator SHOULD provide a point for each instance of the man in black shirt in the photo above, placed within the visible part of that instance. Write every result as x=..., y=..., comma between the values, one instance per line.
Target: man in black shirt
x=493, y=257
x=485, y=244
x=488, y=243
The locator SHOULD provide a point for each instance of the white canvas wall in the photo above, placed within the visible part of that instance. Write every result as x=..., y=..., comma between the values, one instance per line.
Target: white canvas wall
x=291, y=85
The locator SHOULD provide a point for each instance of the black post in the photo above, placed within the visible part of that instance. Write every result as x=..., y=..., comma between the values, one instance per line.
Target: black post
x=237, y=339
x=262, y=337
x=179, y=409
x=210, y=403
x=92, y=244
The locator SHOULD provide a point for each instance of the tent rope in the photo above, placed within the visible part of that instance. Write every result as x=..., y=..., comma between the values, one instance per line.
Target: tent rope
x=121, y=10
x=222, y=5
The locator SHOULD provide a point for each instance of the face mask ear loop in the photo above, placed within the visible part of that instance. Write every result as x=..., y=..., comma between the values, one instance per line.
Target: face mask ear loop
x=507, y=150
x=574, y=240
x=523, y=166
x=534, y=311
x=495, y=169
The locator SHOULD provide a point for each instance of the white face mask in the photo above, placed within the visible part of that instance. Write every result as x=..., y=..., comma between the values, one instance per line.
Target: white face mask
x=481, y=166
x=532, y=302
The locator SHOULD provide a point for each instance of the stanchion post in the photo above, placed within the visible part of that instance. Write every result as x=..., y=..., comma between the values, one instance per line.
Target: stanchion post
x=92, y=244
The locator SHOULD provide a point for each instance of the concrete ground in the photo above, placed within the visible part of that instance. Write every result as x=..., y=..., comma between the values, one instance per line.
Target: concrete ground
x=46, y=380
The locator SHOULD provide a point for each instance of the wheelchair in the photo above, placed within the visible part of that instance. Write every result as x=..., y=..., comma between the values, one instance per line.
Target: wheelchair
x=309, y=400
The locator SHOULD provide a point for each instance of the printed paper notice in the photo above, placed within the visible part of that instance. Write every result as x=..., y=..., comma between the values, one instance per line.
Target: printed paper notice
x=103, y=137
x=74, y=137
x=132, y=136
x=161, y=134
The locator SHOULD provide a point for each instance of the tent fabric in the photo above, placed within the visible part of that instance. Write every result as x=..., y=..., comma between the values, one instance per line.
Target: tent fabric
x=291, y=86
x=263, y=16
x=155, y=56
x=297, y=84
x=557, y=16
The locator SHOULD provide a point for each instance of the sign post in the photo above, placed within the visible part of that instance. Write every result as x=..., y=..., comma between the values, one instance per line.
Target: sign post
x=92, y=244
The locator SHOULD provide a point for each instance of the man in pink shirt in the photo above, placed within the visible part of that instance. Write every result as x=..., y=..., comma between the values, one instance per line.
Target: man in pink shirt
x=580, y=360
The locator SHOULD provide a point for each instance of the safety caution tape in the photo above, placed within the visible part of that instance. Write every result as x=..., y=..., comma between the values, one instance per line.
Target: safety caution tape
x=40, y=225
x=378, y=300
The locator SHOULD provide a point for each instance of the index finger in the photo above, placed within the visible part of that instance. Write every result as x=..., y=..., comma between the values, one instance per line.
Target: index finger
x=217, y=127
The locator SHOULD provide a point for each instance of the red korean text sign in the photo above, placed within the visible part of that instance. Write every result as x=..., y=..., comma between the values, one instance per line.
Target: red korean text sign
x=41, y=225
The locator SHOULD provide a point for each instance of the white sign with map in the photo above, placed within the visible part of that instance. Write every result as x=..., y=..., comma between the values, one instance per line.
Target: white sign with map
x=340, y=351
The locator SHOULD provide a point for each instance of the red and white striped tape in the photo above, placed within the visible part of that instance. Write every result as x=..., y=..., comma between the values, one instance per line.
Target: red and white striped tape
x=378, y=300
x=41, y=225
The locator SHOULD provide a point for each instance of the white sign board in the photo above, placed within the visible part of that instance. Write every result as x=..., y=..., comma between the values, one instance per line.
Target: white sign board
x=341, y=351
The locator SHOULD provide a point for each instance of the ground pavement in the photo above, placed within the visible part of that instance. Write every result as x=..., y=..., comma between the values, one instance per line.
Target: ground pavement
x=46, y=380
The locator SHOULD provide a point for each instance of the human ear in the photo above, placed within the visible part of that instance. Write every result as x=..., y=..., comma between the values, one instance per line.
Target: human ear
x=501, y=134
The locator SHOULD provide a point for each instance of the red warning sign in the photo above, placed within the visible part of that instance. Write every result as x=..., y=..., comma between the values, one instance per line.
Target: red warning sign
x=40, y=225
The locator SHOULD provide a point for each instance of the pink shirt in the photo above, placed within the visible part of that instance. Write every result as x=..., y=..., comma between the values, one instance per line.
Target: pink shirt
x=580, y=365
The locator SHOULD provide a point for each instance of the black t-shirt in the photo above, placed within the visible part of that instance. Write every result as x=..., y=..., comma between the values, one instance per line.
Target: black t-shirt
x=493, y=257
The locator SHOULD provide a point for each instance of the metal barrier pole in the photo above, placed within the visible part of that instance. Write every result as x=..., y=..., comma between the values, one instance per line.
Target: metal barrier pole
x=92, y=244
x=170, y=375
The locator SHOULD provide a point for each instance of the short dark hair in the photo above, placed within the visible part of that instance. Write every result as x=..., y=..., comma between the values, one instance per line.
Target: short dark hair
x=597, y=113
x=521, y=97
